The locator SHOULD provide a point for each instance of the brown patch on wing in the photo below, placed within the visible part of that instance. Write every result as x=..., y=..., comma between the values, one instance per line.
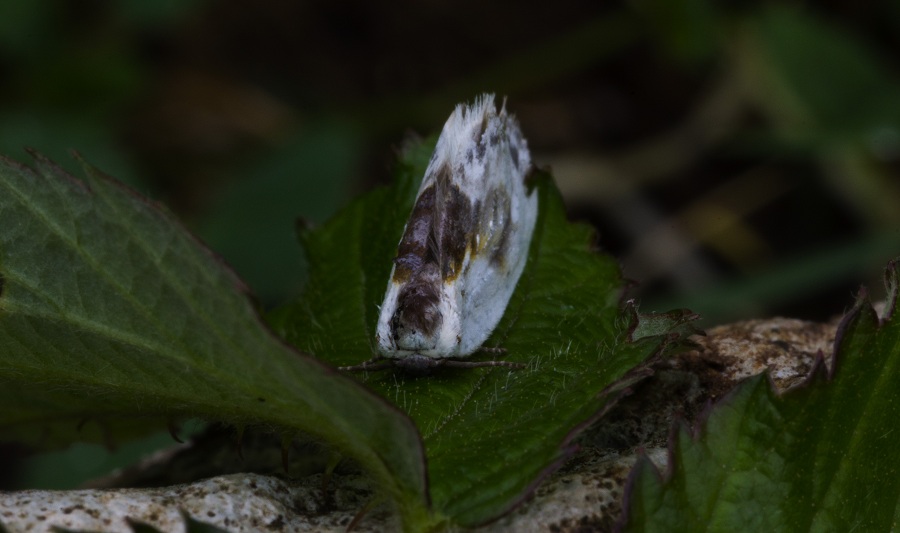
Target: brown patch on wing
x=501, y=250
x=431, y=250
x=417, y=245
x=416, y=270
x=514, y=152
x=417, y=304
x=485, y=120
x=495, y=226
x=453, y=226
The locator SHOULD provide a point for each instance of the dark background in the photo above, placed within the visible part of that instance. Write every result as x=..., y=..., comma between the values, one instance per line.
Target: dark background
x=739, y=158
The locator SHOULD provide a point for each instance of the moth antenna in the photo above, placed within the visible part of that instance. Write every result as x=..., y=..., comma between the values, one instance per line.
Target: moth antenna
x=450, y=363
x=376, y=363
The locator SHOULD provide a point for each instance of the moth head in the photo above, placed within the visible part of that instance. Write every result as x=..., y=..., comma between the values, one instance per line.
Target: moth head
x=417, y=320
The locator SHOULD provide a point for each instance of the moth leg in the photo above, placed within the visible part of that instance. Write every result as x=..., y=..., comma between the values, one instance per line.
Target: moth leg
x=475, y=364
x=375, y=363
x=451, y=363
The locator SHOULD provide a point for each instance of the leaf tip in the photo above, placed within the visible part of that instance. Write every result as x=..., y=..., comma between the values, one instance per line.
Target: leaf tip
x=892, y=284
x=674, y=325
x=862, y=309
x=643, y=472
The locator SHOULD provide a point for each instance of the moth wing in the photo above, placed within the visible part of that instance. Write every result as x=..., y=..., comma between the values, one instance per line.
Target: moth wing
x=503, y=227
x=479, y=229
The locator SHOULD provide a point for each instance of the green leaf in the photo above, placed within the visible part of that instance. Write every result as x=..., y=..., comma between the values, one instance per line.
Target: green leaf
x=111, y=312
x=821, y=458
x=490, y=433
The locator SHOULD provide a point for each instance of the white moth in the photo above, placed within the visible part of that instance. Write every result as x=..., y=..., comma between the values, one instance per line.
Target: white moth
x=464, y=246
